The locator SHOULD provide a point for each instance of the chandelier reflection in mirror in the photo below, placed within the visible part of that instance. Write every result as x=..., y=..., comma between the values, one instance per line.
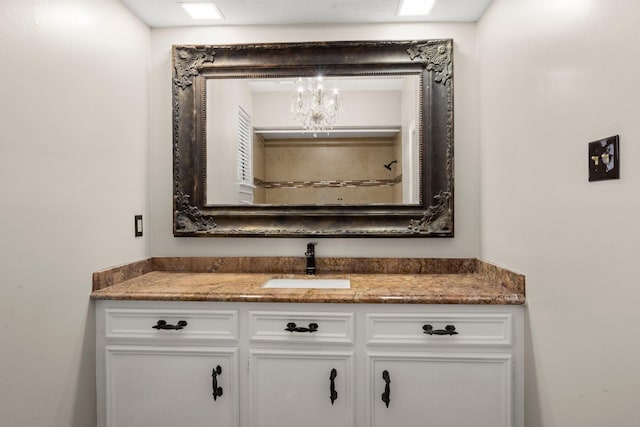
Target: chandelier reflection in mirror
x=314, y=108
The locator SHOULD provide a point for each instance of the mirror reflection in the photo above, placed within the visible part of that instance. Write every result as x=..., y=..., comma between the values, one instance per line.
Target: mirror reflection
x=307, y=141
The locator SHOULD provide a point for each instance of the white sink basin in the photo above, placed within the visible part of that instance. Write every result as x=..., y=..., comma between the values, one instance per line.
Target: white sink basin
x=310, y=283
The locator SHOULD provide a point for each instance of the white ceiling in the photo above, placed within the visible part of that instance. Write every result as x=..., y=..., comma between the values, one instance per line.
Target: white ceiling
x=169, y=13
x=342, y=84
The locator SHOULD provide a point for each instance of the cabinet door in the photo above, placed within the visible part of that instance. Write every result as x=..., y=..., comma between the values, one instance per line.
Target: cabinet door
x=294, y=389
x=168, y=387
x=440, y=390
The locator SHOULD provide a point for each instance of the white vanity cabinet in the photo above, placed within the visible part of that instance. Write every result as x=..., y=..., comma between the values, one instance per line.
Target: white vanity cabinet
x=295, y=364
x=293, y=388
x=448, y=369
x=301, y=368
x=166, y=365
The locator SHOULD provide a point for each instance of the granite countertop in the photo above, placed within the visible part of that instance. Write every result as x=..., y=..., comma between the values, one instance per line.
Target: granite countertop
x=373, y=280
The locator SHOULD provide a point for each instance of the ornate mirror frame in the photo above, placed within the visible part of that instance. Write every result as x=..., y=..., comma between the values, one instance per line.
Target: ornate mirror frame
x=193, y=64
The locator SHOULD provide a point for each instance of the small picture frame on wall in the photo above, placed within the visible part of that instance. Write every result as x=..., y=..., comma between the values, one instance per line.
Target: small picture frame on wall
x=604, y=159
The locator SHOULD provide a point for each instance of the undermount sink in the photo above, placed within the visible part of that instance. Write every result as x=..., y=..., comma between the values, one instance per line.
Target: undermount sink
x=308, y=283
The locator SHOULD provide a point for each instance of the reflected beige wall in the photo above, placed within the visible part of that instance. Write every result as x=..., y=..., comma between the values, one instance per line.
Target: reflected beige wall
x=324, y=196
x=330, y=171
x=397, y=168
x=259, y=195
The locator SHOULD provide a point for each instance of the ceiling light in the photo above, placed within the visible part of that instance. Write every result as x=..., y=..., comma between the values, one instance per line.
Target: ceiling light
x=202, y=10
x=415, y=7
x=313, y=107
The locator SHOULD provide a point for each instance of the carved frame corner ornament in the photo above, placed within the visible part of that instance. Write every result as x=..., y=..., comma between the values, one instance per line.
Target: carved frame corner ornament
x=437, y=218
x=188, y=61
x=189, y=218
x=437, y=57
x=431, y=217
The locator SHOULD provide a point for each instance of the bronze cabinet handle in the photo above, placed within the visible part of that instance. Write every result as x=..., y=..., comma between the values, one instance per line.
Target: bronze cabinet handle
x=217, y=391
x=162, y=324
x=448, y=330
x=386, y=396
x=291, y=327
x=332, y=386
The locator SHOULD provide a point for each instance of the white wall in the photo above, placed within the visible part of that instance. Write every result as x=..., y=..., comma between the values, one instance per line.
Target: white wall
x=361, y=109
x=73, y=168
x=556, y=74
x=410, y=160
x=467, y=242
x=222, y=159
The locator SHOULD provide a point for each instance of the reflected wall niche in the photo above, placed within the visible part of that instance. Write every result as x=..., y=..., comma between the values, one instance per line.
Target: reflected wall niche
x=383, y=168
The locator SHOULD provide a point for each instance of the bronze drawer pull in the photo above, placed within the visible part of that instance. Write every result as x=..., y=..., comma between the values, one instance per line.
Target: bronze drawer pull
x=162, y=324
x=448, y=330
x=291, y=327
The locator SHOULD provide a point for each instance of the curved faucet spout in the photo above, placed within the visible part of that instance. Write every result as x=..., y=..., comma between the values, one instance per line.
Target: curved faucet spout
x=311, y=258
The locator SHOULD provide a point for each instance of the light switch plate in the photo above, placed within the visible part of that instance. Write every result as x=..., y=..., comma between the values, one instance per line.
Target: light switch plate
x=138, y=225
x=604, y=159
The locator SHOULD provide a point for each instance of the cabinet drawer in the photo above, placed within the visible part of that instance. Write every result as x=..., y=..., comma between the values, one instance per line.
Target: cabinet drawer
x=158, y=324
x=321, y=327
x=412, y=329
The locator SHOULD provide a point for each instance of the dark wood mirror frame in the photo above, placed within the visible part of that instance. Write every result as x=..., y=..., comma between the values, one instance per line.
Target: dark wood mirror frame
x=432, y=217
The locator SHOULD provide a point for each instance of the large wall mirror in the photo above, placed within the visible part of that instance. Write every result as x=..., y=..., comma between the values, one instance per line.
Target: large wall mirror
x=314, y=139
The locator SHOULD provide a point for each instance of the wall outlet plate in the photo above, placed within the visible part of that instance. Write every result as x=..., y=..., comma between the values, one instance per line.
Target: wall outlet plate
x=604, y=159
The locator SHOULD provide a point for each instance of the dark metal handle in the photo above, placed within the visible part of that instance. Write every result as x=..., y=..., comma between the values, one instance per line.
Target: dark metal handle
x=291, y=327
x=448, y=330
x=386, y=396
x=332, y=386
x=217, y=391
x=162, y=324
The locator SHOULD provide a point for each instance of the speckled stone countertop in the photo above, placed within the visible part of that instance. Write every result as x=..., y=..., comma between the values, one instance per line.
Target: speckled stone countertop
x=373, y=280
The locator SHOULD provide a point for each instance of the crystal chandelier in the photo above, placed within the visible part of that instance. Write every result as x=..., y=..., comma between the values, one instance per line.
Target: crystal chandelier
x=313, y=108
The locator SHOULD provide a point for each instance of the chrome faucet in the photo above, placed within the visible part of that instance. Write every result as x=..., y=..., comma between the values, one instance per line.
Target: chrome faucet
x=311, y=258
